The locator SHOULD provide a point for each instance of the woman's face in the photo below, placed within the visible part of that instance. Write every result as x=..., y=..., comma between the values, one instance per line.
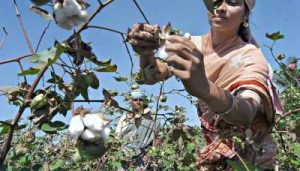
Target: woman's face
x=228, y=16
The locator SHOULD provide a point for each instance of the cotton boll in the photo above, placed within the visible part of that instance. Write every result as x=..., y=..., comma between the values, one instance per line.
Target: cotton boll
x=84, y=16
x=162, y=53
x=105, y=133
x=90, y=135
x=71, y=8
x=60, y=17
x=93, y=122
x=76, y=127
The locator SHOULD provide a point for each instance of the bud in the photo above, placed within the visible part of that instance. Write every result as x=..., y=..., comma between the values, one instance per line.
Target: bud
x=281, y=56
x=38, y=102
x=163, y=98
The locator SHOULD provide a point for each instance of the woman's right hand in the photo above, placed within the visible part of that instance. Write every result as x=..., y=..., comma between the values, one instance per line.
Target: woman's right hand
x=144, y=38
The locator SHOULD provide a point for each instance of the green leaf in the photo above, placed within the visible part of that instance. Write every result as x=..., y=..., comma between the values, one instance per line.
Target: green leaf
x=108, y=68
x=53, y=127
x=26, y=160
x=85, y=94
x=47, y=57
x=4, y=128
x=92, y=80
x=57, y=165
x=275, y=36
x=10, y=89
x=121, y=79
x=30, y=71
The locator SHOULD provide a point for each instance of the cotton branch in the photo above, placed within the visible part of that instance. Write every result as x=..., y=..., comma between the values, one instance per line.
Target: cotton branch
x=22, y=27
x=3, y=39
x=43, y=33
x=139, y=8
x=108, y=29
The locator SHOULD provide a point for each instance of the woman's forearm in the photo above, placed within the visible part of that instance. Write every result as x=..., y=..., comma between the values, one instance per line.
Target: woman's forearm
x=234, y=109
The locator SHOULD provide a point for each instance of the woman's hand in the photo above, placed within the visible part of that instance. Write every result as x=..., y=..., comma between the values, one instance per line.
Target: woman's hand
x=187, y=64
x=144, y=39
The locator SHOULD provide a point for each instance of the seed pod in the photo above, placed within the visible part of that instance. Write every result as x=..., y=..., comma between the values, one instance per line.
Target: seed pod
x=163, y=98
x=76, y=127
x=38, y=102
x=30, y=137
x=281, y=56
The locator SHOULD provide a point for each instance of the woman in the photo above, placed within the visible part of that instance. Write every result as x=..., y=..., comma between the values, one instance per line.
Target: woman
x=229, y=75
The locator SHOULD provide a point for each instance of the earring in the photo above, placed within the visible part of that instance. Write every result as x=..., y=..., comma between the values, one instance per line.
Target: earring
x=245, y=24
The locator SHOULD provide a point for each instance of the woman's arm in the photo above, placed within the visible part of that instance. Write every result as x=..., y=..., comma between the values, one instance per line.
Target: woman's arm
x=188, y=65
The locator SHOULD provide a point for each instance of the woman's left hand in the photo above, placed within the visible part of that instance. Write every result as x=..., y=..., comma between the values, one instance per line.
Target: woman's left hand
x=187, y=64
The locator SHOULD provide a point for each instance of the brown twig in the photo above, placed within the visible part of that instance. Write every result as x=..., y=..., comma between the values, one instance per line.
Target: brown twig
x=3, y=39
x=41, y=38
x=139, y=8
x=291, y=111
x=16, y=59
x=22, y=27
x=84, y=26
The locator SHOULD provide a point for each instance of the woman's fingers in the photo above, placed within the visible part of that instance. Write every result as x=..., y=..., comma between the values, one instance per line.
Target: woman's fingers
x=181, y=74
x=178, y=62
x=142, y=35
x=182, y=40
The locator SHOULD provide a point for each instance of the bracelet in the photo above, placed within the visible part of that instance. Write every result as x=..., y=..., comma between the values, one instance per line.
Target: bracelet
x=231, y=106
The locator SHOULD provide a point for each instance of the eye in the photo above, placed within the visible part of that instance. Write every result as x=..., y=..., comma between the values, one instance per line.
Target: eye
x=233, y=2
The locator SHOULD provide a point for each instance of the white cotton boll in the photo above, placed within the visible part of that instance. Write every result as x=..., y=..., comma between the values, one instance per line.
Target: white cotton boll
x=84, y=16
x=91, y=136
x=162, y=53
x=76, y=127
x=105, y=133
x=187, y=35
x=60, y=17
x=76, y=20
x=71, y=8
x=93, y=122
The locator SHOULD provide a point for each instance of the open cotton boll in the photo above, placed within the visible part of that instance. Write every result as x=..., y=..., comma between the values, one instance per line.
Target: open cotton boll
x=93, y=122
x=76, y=127
x=161, y=53
x=90, y=135
x=105, y=133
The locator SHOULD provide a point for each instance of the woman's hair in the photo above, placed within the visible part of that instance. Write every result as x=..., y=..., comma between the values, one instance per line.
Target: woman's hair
x=244, y=30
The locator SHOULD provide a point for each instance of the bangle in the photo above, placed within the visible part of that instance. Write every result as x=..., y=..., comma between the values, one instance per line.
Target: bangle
x=231, y=105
